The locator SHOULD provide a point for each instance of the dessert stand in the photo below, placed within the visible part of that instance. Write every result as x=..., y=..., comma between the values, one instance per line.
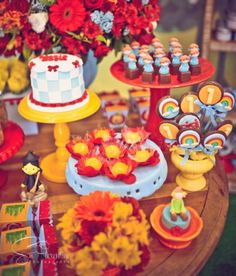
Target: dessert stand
x=13, y=141
x=54, y=164
x=160, y=90
x=148, y=179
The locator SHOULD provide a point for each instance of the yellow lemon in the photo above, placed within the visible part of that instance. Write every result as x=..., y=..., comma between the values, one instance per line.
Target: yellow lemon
x=142, y=155
x=94, y=163
x=81, y=148
x=112, y=151
x=119, y=168
x=102, y=133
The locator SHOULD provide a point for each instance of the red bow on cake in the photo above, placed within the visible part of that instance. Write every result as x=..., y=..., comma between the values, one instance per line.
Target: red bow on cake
x=53, y=68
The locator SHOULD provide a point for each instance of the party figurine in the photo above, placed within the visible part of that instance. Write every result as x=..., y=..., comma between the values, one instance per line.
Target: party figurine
x=126, y=51
x=177, y=205
x=32, y=190
x=141, y=54
x=184, y=73
x=158, y=55
x=148, y=70
x=132, y=70
x=159, y=46
x=193, y=46
x=195, y=67
x=155, y=41
x=135, y=47
x=171, y=42
x=175, y=63
x=164, y=71
x=175, y=224
x=145, y=48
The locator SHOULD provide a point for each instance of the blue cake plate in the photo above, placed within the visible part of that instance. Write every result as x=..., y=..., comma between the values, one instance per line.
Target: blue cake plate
x=148, y=179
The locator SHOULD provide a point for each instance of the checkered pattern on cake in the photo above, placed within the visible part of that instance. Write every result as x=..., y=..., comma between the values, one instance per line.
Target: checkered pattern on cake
x=62, y=87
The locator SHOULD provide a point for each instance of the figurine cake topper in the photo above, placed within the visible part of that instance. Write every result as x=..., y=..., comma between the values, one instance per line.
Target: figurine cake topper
x=176, y=224
x=32, y=190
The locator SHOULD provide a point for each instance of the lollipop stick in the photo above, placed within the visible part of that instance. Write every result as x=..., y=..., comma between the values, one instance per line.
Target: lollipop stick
x=203, y=115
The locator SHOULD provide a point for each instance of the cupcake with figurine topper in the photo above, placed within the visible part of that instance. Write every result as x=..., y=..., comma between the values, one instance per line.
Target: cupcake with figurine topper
x=177, y=225
x=195, y=130
x=127, y=163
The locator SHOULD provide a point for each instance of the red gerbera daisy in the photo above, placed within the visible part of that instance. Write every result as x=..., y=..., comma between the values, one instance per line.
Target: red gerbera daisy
x=67, y=15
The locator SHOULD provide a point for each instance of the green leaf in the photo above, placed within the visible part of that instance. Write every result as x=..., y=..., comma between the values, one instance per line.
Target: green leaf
x=76, y=36
x=26, y=52
x=101, y=38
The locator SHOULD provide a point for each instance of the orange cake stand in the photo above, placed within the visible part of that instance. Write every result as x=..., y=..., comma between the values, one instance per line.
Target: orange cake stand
x=54, y=164
x=160, y=90
x=13, y=141
x=168, y=239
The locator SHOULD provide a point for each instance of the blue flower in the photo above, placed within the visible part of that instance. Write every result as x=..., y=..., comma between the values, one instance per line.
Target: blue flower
x=107, y=22
x=97, y=16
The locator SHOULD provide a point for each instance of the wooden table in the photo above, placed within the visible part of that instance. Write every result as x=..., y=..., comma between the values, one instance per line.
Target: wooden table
x=211, y=203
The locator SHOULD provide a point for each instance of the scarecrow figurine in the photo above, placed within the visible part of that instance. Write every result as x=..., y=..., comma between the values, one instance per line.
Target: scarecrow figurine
x=177, y=204
x=32, y=190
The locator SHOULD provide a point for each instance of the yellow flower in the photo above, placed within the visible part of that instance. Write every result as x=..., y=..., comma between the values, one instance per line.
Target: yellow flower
x=122, y=212
x=88, y=263
x=69, y=225
x=4, y=74
x=4, y=63
x=100, y=241
x=124, y=253
x=136, y=232
x=2, y=85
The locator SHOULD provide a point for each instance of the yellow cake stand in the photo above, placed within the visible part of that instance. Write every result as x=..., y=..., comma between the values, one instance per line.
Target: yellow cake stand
x=54, y=164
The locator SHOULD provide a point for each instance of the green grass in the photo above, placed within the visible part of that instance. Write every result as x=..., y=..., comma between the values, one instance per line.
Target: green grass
x=223, y=260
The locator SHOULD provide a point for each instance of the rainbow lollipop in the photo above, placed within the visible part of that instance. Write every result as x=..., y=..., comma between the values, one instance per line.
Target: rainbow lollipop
x=188, y=138
x=226, y=104
x=215, y=140
x=168, y=108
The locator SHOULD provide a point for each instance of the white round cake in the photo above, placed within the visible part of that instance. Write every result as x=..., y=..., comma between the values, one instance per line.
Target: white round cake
x=57, y=83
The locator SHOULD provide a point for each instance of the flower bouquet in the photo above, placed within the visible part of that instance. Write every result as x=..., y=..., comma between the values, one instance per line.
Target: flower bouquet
x=43, y=26
x=105, y=235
